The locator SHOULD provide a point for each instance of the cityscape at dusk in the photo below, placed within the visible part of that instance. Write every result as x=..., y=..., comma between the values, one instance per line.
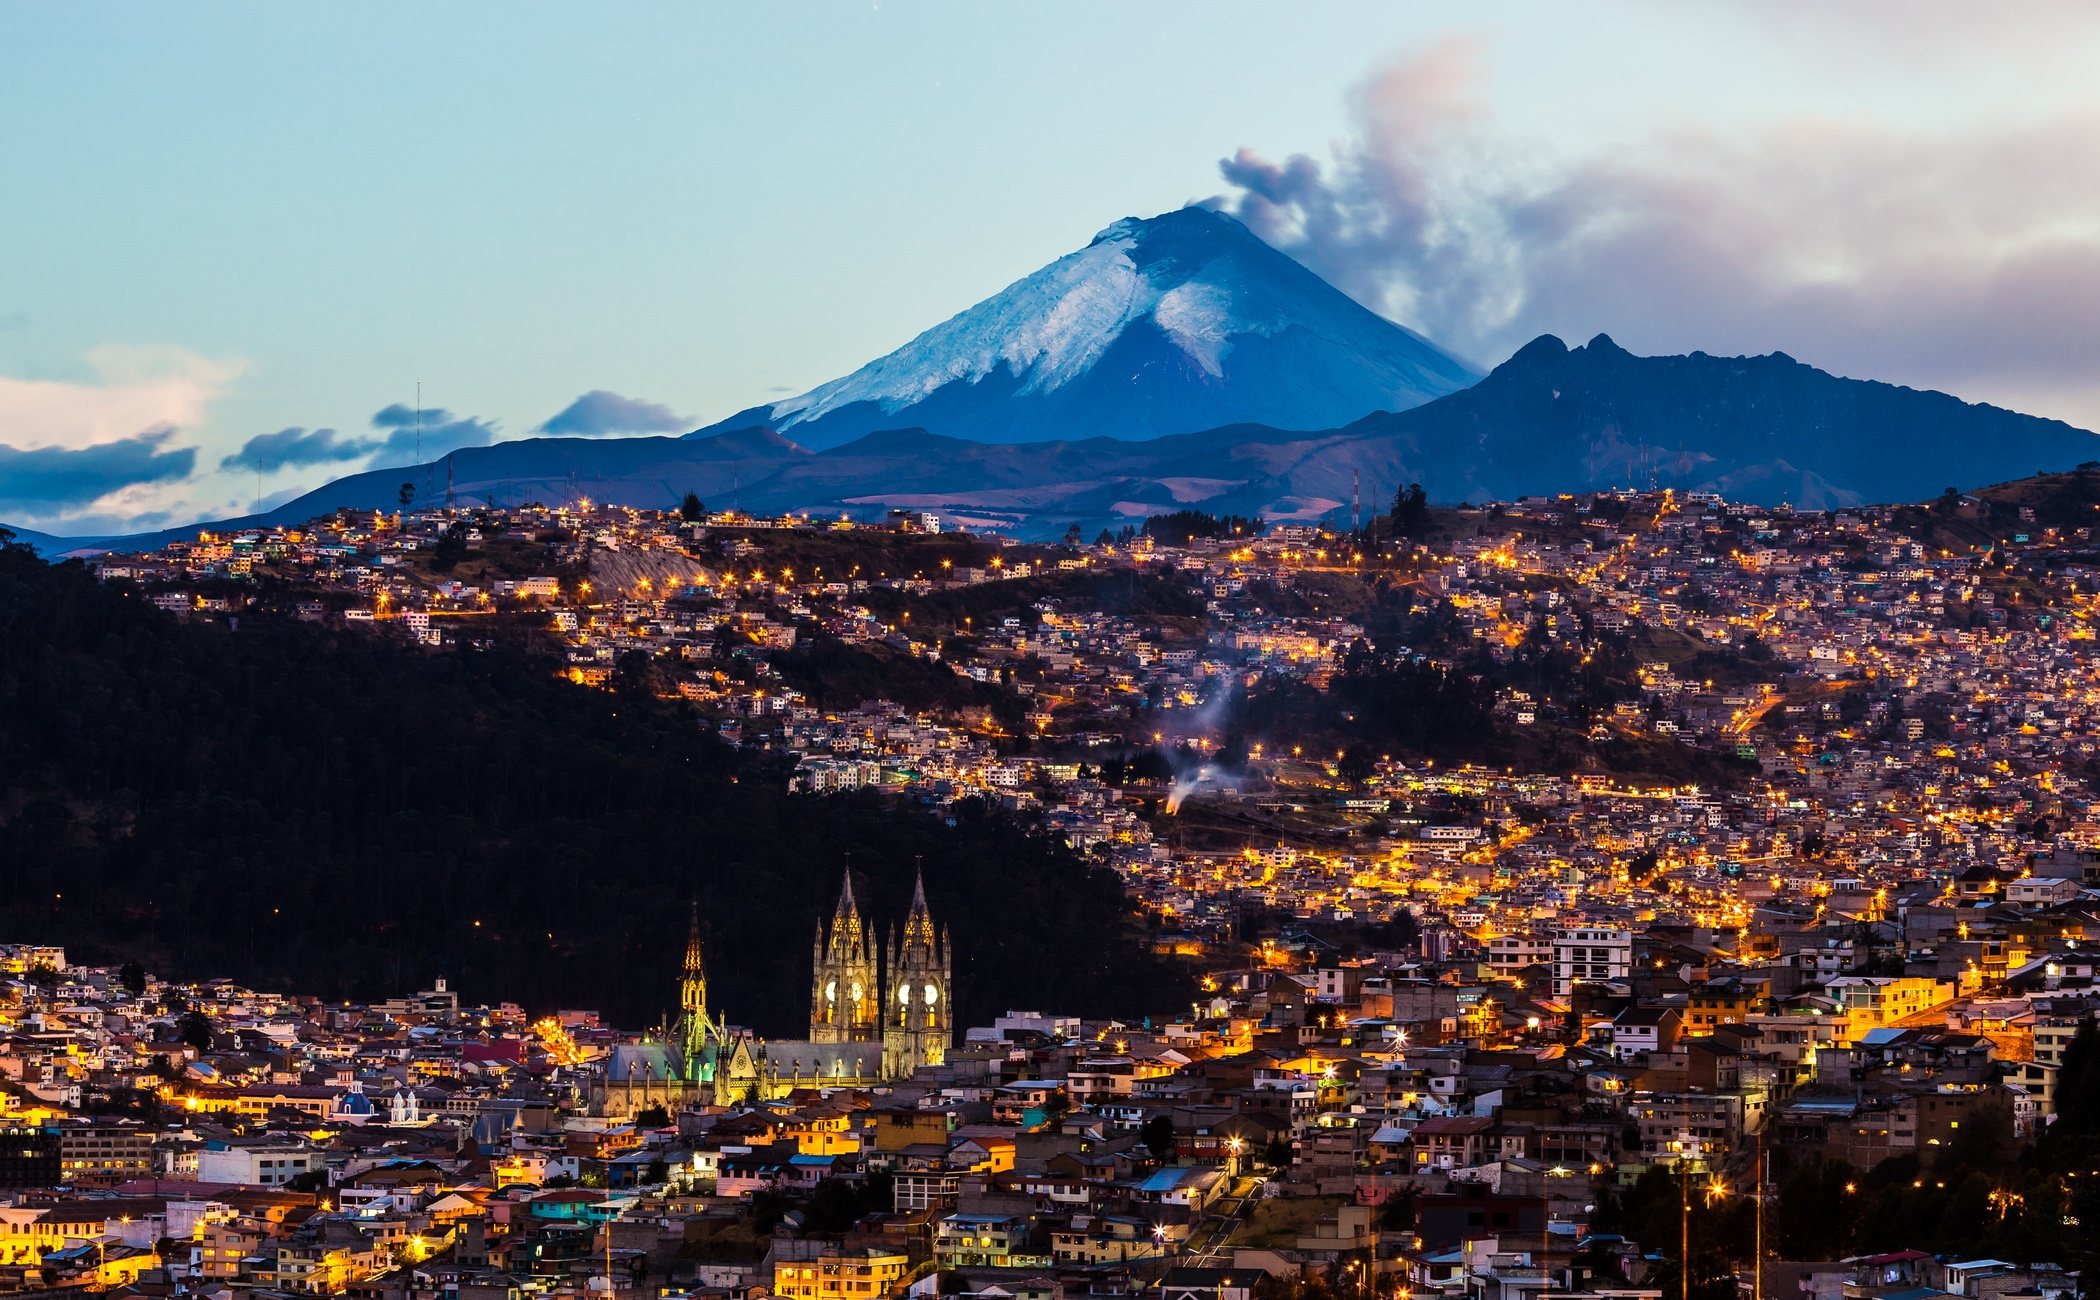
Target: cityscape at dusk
x=1026, y=653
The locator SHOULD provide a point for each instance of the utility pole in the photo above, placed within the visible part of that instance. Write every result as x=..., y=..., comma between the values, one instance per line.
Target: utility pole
x=1757, y=1284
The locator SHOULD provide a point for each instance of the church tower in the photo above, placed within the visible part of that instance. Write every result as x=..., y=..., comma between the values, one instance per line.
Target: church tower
x=843, y=995
x=918, y=999
x=694, y=1028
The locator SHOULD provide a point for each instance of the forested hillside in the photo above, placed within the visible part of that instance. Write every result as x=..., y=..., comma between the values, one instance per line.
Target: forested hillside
x=340, y=813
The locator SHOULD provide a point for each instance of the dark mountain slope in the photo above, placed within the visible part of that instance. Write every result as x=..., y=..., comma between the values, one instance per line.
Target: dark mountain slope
x=339, y=813
x=1759, y=429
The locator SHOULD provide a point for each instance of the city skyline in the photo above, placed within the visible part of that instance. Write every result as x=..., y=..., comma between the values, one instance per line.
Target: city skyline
x=945, y=651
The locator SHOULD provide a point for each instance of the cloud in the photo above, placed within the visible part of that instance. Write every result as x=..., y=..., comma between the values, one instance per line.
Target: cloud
x=1388, y=221
x=269, y=452
x=48, y=481
x=601, y=412
x=127, y=514
x=133, y=388
x=439, y=433
x=1960, y=259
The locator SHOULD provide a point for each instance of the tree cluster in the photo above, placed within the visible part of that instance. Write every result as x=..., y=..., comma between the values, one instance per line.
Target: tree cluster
x=1182, y=526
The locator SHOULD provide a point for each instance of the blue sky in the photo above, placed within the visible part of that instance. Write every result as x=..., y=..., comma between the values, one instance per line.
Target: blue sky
x=232, y=222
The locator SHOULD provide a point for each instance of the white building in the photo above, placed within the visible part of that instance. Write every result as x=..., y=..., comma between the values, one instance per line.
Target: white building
x=271, y=1164
x=1587, y=953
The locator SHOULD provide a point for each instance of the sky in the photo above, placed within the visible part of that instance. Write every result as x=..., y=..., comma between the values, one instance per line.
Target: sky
x=236, y=236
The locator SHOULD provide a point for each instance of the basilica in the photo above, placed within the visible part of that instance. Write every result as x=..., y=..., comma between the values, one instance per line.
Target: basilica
x=877, y=1011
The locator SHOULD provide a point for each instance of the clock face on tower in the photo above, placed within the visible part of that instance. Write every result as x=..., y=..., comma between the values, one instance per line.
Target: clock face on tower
x=933, y=994
x=857, y=990
x=904, y=994
x=831, y=991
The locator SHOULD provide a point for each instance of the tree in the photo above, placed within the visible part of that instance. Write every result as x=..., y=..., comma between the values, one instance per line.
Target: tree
x=652, y=1116
x=451, y=548
x=1180, y=526
x=1157, y=1134
x=767, y=1207
x=634, y=674
x=691, y=509
x=2078, y=1083
x=1397, y=1212
x=133, y=977
x=1149, y=766
x=1410, y=510
x=407, y=494
x=194, y=1028
x=1815, y=1212
x=1357, y=763
x=834, y=1205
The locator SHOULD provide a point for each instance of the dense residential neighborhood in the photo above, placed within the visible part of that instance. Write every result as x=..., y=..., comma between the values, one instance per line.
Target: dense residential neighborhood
x=1798, y=892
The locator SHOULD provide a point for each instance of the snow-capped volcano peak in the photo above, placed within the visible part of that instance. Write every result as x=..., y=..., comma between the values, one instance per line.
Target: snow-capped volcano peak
x=1047, y=328
x=1167, y=324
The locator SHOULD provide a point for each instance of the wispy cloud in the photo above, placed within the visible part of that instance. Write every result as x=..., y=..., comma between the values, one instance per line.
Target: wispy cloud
x=132, y=388
x=266, y=453
x=601, y=412
x=1966, y=260
x=44, y=482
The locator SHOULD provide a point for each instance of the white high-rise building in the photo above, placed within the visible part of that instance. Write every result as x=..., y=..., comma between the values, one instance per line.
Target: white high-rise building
x=1589, y=953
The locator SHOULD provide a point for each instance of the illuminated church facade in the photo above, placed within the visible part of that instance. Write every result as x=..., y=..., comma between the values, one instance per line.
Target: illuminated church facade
x=878, y=1011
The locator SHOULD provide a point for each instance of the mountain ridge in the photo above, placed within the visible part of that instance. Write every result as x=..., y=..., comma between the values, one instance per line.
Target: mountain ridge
x=1550, y=419
x=1761, y=429
x=1555, y=418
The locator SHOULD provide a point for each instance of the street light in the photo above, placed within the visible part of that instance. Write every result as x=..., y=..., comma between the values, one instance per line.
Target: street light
x=1684, y=1245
